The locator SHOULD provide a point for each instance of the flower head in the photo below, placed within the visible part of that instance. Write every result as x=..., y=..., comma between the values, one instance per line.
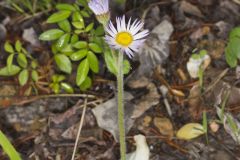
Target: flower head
x=100, y=9
x=126, y=37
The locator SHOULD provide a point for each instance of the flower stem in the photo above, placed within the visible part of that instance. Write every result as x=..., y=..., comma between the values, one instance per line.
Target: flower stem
x=121, y=125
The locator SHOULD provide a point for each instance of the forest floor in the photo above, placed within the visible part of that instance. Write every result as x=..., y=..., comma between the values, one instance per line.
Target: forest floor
x=161, y=97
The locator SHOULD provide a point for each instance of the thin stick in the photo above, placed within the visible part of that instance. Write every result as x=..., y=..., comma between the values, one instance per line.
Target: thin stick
x=79, y=129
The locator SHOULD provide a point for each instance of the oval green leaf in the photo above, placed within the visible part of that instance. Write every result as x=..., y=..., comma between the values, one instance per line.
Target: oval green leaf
x=8, y=47
x=85, y=14
x=235, y=33
x=74, y=38
x=79, y=55
x=77, y=17
x=63, y=41
x=95, y=47
x=13, y=70
x=65, y=25
x=78, y=25
x=67, y=87
x=231, y=59
x=93, y=62
x=89, y=27
x=22, y=60
x=18, y=46
x=65, y=6
x=9, y=61
x=80, y=45
x=51, y=34
x=23, y=77
x=59, y=16
x=126, y=67
x=63, y=63
x=234, y=46
x=55, y=87
x=111, y=63
x=82, y=72
x=34, y=75
x=86, y=84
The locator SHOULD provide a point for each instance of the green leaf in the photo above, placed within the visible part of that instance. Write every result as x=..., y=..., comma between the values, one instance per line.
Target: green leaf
x=79, y=31
x=78, y=21
x=67, y=87
x=77, y=17
x=99, y=31
x=24, y=51
x=60, y=78
x=55, y=87
x=65, y=25
x=80, y=45
x=111, y=63
x=63, y=41
x=9, y=72
x=65, y=6
x=234, y=46
x=205, y=122
x=22, y=60
x=9, y=61
x=203, y=53
x=8, y=47
x=89, y=27
x=93, y=62
x=78, y=25
x=95, y=47
x=79, y=55
x=23, y=77
x=51, y=34
x=59, y=16
x=85, y=14
x=83, y=3
x=8, y=148
x=195, y=56
x=74, y=39
x=76, y=6
x=34, y=64
x=126, y=67
x=235, y=33
x=86, y=84
x=35, y=76
x=82, y=72
x=63, y=63
x=230, y=58
x=18, y=46
x=68, y=50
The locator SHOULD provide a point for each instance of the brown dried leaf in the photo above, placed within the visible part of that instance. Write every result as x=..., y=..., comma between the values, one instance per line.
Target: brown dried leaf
x=164, y=126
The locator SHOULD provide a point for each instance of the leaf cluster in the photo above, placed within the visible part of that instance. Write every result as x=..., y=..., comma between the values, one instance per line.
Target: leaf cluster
x=19, y=62
x=75, y=41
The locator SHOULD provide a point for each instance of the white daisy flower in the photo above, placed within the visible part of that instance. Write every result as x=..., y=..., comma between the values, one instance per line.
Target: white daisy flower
x=126, y=37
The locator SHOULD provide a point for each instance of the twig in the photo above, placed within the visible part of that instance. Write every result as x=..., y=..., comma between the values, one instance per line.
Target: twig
x=34, y=98
x=80, y=128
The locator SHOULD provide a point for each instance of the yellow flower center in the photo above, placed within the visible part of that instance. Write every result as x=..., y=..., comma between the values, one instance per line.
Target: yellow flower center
x=124, y=38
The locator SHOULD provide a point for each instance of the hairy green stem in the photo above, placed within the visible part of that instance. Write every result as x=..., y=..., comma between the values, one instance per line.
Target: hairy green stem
x=121, y=123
